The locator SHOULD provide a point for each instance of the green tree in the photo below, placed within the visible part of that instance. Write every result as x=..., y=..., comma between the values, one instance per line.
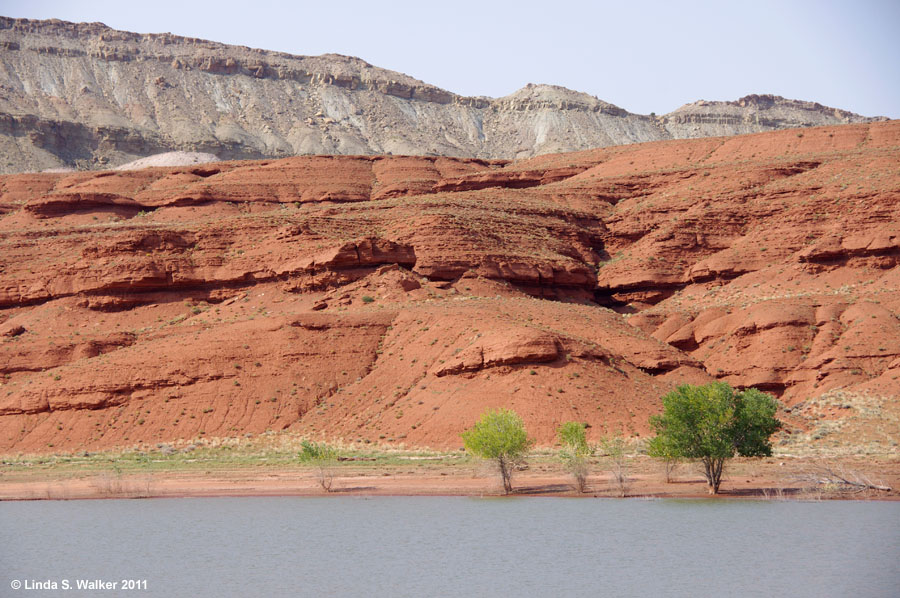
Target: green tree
x=499, y=436
x=712, y=423
x=575, y=452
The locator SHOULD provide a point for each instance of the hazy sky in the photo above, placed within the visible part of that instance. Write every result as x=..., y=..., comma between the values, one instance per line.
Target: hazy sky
x=643, y=56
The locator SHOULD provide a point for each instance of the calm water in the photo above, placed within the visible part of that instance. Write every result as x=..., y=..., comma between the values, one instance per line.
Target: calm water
x=454, y=547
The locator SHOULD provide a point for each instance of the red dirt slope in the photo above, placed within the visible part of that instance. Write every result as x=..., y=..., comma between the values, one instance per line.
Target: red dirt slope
x=392, y=299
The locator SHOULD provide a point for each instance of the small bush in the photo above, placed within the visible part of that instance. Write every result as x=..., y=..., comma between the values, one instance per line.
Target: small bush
x=311, y=452
x=614, y=448
x=661, y=447
x=324, y=457
x=576, y=451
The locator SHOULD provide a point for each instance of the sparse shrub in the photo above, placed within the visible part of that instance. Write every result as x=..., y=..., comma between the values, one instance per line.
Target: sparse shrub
x=323, y=457
x=661, y=448
x=614, y=448
x=368, y=299
x=576, y=451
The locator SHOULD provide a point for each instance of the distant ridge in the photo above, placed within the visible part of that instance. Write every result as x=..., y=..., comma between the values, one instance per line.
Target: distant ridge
x=83, y=95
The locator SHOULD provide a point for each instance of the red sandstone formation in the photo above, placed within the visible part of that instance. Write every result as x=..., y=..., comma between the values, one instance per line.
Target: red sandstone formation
x=392, y=299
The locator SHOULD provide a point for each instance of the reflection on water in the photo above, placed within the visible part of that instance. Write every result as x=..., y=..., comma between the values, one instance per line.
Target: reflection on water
x=425, y=546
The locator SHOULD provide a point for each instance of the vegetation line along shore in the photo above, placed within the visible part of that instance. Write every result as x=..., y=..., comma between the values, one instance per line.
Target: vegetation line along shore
x=700, y=425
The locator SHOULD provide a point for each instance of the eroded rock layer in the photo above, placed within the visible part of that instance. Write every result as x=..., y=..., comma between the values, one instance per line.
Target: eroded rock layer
x=85, y=96
x=392, y=299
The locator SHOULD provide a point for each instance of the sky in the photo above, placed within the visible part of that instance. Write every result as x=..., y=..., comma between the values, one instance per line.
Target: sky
x=644, y=56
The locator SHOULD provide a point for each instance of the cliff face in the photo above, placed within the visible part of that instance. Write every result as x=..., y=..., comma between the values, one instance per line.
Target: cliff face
x=392, y=299
x=87, y=96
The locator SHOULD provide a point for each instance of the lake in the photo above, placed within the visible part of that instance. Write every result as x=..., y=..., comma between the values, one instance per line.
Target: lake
x=451, y=546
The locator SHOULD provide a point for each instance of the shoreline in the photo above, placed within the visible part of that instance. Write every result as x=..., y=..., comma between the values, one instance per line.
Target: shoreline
x=770, y=480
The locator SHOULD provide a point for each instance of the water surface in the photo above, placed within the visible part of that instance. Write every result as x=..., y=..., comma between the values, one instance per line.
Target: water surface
x=454, y=546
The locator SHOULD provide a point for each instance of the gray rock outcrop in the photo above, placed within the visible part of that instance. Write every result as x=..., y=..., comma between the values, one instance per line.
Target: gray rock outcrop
x=83, y=95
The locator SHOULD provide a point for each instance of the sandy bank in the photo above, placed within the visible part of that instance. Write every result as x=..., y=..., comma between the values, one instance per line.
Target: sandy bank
x=755, y=480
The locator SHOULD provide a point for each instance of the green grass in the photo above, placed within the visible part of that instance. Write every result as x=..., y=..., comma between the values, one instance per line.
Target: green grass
x=275, y=452
x=213, y=457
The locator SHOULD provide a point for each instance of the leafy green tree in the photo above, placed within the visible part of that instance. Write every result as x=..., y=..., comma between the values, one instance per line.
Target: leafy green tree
x=712, y=423
x=576, y=451
x=499, y=436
